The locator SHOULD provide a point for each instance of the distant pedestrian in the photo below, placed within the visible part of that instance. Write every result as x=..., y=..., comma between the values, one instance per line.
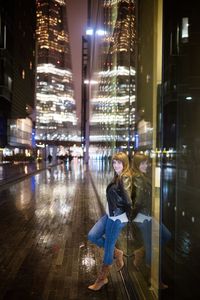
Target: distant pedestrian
x=107, y=229
x=49, y=158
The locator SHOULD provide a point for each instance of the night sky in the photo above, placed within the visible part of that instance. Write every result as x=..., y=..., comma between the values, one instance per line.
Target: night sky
x=77, y=22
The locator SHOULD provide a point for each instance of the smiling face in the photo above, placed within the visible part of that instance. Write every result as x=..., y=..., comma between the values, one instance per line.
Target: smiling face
x=118, y=166
x=143, y=166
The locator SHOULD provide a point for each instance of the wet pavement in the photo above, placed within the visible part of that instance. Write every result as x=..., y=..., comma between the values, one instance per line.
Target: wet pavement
x=45, y=214
x=10, y=172
x=44, y=220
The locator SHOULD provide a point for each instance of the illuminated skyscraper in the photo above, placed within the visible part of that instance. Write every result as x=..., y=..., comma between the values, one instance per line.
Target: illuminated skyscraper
x=112, y=117
x=55, y=105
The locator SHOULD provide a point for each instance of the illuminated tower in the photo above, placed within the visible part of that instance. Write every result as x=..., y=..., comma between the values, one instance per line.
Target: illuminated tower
x=55, y=105
x=112, y=118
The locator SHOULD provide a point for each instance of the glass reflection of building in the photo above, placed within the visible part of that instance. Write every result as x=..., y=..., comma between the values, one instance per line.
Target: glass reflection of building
x=167, y=129
x=112, y=75
x=55, y=108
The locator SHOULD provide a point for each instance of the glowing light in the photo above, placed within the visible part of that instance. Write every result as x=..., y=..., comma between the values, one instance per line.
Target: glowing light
x=100, y=32
x=89, y=31
x=90, y=81
x=50, y=68
x=188, y=98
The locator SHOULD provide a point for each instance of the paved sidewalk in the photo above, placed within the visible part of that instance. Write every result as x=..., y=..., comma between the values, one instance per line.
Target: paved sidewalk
x=10, y=172
x=45, y=253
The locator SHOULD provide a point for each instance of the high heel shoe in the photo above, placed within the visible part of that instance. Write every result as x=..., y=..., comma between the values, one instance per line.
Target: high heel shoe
x=101, y=279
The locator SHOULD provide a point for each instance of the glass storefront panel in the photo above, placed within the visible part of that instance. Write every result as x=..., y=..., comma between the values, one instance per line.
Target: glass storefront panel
x=181, y=107
x=144, y=237
x=160, y=119
x=124, y=95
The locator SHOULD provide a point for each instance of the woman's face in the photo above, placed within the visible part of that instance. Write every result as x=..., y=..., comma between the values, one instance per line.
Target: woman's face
x=118, y=166
x=143, y=166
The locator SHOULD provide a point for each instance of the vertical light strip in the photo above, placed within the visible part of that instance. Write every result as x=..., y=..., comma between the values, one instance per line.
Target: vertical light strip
x=4, y=41
x=157, y=79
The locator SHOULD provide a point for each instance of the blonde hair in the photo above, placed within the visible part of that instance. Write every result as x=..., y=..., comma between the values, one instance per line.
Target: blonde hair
x=123, y=157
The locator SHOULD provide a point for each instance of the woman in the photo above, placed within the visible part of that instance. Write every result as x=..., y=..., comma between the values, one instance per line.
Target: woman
x=141, y=213
x=106, y=231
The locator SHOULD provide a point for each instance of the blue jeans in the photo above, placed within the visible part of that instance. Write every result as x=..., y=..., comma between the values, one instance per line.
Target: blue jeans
x=146, y=231
x=105, y=234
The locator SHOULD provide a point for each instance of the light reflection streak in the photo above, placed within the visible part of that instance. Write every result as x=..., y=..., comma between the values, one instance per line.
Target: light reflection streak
x=88, y=262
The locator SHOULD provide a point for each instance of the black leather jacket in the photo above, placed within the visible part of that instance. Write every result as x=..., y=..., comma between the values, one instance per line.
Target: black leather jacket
x=118, y=195
x=142, y=195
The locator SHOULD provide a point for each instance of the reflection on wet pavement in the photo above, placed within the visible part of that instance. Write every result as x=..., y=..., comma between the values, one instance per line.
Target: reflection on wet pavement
x=44, y=222
x=44, y=249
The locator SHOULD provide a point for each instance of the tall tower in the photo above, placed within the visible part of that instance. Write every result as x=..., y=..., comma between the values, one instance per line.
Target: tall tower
x=55, y=105
x=112, y=82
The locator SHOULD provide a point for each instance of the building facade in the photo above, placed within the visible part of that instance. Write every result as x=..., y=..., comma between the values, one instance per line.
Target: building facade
x=111, y=76
x=17, y=77
x=55, y=105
